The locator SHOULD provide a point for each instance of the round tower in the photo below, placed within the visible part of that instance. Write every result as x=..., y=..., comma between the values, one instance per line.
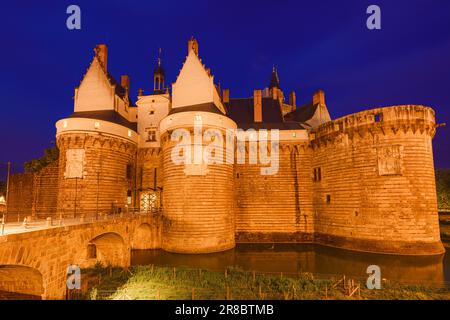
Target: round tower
x=373, y=182
x=98, y=145
x=198, y=192
x=96, y=166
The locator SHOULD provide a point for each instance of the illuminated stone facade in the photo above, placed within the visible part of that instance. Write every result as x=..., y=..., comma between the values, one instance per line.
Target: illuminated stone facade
x=363, y=182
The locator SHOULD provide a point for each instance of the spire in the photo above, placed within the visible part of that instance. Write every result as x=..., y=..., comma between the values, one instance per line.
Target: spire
x=159, y=57
x=274, y=80
x=158, y=76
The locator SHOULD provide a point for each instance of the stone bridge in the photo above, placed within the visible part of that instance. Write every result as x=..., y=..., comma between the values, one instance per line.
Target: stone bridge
x=35, y=263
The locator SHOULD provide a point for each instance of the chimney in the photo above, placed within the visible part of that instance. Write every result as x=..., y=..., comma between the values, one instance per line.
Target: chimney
x=101, y=51
x=125, y=82
x=193, y=45
x=275, y=93
x=226, y=95
x=257, y=105
x=319, y=97
x=293, y=99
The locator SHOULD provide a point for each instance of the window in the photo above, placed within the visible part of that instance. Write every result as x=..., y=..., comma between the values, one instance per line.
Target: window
x=151, y=112
x=151, y=135
x=378, y=117
x=129, y=171
x=328, y=198
x=129, y=198
x=317, y=174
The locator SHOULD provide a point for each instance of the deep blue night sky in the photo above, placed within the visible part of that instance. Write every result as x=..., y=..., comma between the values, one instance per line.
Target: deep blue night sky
x=315, y=44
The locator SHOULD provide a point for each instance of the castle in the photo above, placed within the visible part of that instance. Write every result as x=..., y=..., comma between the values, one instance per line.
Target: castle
x=363, y=182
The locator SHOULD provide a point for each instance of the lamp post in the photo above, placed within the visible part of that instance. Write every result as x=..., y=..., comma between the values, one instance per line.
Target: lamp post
x=75, y=204
x=3, y=224
x=7, y=190
x=98, y=187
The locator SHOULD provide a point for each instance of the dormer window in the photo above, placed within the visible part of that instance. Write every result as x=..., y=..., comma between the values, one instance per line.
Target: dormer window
x=151, y=134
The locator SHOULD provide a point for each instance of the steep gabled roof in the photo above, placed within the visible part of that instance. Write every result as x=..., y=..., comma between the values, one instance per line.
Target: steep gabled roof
x=195, y=85
x=119, y=90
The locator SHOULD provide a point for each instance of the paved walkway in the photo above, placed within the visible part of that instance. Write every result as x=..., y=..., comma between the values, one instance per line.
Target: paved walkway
x=20, y=227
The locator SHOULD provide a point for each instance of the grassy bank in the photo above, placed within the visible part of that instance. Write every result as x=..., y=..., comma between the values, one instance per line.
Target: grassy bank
x=151, y=282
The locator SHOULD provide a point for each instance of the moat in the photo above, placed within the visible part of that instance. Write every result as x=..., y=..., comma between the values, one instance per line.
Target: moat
x=321, y=261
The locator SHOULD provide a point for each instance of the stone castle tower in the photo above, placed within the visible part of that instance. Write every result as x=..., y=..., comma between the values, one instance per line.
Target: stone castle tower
x=363, y=182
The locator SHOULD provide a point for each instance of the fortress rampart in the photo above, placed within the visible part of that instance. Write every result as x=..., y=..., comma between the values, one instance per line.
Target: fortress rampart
x=198, y=198
x=276, y=208
x=376, y=189
x=362, y=182
x=102, y=173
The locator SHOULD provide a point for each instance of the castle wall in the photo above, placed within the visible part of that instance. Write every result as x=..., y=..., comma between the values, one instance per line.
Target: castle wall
x=46, y=191
x=20, y=197
x=276, y=208
x=149, y=179
x=107, y=167
x=377, y=189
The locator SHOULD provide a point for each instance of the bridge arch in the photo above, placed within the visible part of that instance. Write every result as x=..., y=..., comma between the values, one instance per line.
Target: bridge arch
x=20, y=282
x=109, y=248
x=145, y=237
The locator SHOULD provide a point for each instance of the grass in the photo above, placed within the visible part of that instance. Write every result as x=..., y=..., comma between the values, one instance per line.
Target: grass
x=165, y=283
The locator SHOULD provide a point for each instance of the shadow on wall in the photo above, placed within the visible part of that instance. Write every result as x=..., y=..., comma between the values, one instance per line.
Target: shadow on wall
x=108, y=249
x=20, y=283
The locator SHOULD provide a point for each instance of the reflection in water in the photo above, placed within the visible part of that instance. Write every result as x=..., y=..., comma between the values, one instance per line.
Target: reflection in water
x=319, y=260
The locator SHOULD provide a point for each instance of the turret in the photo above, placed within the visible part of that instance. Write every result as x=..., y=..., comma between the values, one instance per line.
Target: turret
x=158, y=77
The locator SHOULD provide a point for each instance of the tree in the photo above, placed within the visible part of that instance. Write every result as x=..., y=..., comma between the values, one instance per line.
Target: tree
x=35, y=165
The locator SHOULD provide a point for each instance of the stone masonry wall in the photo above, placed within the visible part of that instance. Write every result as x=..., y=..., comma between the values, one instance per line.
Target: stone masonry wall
x=20, y=198
x=276, y=208
x=46, y=191
x=198, y=208
x=108, y=174
x=377, y=190
x=47, y=253
x=149, y=167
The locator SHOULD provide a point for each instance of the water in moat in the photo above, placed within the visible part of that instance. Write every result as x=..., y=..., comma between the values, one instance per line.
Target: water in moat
x=321, y=261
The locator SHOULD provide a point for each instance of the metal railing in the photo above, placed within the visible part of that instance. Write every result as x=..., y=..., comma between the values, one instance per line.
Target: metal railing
x=54, y=220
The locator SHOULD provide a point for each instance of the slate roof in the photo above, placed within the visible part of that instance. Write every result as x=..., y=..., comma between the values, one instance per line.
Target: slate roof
x=119, y=90
x=242, y=110
x=303, y=113
x=106, y=115
x=204, y=107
